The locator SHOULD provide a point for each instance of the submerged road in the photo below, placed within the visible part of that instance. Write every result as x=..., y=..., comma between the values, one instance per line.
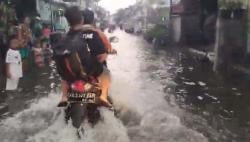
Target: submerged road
x=162, y=96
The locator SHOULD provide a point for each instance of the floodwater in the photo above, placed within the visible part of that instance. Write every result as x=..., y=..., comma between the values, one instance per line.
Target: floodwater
x=162, y=96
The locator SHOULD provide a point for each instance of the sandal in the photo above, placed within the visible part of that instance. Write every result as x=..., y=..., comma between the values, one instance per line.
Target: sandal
x=62, y=104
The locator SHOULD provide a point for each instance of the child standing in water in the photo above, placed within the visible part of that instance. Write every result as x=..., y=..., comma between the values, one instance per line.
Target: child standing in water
x=13, y=63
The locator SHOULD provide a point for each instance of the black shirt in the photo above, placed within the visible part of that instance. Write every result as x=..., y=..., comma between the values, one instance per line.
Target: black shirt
x=75, y=42
x=94, y=42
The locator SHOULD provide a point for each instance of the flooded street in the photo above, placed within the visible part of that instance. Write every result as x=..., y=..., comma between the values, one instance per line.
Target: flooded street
x=162, y=96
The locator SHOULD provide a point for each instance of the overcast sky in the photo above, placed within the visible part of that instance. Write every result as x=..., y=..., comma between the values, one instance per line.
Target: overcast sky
x=114, y=5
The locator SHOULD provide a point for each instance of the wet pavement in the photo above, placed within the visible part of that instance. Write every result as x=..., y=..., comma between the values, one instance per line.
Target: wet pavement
x=162, y=96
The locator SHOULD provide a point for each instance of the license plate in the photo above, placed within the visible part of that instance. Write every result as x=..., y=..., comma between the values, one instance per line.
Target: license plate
x=82, y=97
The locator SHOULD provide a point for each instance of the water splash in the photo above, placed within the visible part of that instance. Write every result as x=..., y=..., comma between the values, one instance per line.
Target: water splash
x=43, y=121
x=145, y=112
x=145, y=115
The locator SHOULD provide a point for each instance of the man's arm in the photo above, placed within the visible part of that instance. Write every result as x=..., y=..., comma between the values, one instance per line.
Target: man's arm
x=7, y=64
x=106, y=42
x=8, y=74
x=97, y=48
x=102, y=57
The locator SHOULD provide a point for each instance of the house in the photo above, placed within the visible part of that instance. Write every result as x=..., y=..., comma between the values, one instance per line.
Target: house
x=210, y=26
x=232, y=37
x=196, y=21
x=175, y=21
x=52, y=11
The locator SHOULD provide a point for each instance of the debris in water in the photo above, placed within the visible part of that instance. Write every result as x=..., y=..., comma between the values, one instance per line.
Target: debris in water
x=234, y=89
x=206, y=113
x=38, y=87
x=3, y=106
x=52, y=85
x=200, y=97
x=181, y=91
x=183, y=78
x=202, y=83
x=19, y=90
x=238, y=94
x=179, y=70
x=191, y=68
x=6, y=114
x=212, y=97
x=51, y=77
x=170, y=63
x=190, y=83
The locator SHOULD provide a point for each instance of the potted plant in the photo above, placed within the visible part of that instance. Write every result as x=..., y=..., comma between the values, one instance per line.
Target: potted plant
x=231, y=9
x=238, y=10
x=225, y=9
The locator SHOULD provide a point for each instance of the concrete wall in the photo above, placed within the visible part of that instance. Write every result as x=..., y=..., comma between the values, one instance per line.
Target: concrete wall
x=176, y=28
x=230, y=44
x=248, y=42
x=191, y=33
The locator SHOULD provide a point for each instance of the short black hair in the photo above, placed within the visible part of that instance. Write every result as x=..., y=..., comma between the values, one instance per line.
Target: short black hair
x=88, y=16
x=73, y=15
x=10, y=38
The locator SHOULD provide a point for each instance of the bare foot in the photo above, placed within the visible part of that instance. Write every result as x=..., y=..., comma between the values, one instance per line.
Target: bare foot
x=105, y=102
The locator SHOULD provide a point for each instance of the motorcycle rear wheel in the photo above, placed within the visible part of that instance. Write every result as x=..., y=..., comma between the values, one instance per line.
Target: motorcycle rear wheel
x=77, y=112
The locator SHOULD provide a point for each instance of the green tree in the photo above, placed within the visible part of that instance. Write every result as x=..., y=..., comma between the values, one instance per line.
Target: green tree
x=120, y=15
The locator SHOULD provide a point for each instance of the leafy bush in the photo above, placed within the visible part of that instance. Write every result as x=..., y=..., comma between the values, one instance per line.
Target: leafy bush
x=158, y=31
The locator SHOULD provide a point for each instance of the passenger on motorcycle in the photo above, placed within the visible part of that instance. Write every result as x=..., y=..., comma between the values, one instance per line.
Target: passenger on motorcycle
x=84, y=64
x=97, y=40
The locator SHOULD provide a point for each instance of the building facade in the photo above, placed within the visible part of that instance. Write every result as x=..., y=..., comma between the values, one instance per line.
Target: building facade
x=248, y=23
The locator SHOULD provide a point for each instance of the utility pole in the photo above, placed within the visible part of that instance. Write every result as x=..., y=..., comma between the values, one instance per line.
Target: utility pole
x=51, y=15
x=248, y=26
x=171, y=4
x=145, y=11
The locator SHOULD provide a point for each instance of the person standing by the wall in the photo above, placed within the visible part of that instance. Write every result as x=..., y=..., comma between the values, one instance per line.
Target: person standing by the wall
x=37, y=28
x=25, y=36
x=46, y=35
x=13, y=63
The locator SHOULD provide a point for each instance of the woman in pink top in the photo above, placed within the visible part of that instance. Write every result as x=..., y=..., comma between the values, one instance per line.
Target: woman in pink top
x=46, y=31
x=46, y=35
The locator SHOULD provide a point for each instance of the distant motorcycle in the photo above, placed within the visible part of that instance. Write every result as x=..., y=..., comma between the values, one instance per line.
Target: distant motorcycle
x=113, y=39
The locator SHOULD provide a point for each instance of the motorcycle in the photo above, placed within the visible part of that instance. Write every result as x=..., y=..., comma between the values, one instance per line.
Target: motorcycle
x=84, y=106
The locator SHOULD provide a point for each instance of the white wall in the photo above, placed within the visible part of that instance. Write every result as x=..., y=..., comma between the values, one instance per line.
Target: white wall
x=176, y=25
x=44, y=10
x=82, y=4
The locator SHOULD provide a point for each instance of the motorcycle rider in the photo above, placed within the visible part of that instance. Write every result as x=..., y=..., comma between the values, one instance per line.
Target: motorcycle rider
x=98, y=51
